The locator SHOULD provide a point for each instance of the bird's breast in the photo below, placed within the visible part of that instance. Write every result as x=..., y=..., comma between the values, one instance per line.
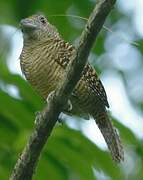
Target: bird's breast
x=41, y=70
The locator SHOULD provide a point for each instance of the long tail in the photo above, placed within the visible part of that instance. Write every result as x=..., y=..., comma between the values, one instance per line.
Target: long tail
x=110, y=135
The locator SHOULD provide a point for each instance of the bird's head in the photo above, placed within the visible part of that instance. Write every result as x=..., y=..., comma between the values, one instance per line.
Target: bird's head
x=36, y=27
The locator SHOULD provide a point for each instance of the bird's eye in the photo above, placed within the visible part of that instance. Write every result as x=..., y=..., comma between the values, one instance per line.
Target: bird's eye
x=42, y=19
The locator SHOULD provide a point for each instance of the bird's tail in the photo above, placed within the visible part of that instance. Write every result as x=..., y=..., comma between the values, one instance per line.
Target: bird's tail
x=110, y=135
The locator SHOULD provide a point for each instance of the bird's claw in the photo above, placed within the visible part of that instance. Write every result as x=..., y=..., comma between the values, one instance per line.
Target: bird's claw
x=68, y=106
x=50, y=96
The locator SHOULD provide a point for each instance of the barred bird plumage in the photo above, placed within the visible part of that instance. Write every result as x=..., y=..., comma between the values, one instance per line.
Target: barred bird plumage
x=44, y=60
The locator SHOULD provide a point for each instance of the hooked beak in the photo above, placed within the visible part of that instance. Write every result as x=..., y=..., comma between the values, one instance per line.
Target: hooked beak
x=27, y=24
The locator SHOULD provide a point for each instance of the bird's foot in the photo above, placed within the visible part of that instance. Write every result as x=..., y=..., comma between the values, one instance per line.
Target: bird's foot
x=68, y=107
x=50, y=96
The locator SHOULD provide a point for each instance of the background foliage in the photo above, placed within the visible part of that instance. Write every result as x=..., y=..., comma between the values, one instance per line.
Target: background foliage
x=69, y=154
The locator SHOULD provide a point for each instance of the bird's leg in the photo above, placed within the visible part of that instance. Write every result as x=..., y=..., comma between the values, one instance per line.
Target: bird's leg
x=67, y=107
x=50, y=96
x=38, y=113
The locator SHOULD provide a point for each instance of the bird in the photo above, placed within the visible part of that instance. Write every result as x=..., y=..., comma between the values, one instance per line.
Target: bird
x=44, y=60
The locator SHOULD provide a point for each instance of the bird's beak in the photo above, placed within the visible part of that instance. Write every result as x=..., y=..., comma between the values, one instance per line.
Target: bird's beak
x=27, y=24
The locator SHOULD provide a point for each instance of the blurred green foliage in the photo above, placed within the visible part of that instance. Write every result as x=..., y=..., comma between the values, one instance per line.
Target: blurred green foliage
x=68, y=154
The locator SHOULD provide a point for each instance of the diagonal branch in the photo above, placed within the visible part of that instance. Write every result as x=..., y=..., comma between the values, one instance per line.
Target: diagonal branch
x=46, y=120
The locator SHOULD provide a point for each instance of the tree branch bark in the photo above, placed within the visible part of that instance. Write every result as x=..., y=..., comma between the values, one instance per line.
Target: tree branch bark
x=46, y=120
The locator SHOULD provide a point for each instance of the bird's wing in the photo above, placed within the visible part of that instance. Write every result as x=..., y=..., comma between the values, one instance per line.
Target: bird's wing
x=94, y=83
x=64, y=56
x=65, y=53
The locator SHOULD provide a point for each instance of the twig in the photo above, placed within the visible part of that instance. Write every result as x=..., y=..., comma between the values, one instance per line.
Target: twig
x=26, y=164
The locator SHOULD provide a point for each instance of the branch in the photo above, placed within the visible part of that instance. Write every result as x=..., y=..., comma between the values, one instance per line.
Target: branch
x=26, y=164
